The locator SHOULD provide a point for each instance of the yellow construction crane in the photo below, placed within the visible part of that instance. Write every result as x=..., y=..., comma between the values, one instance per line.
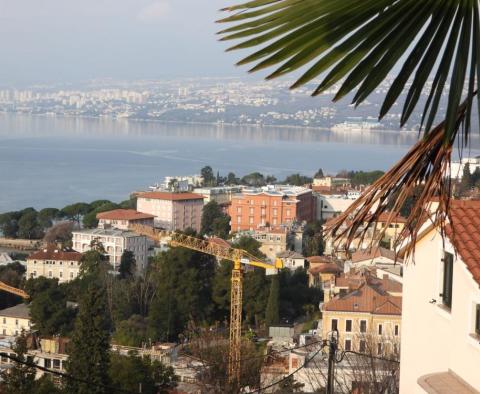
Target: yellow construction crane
x=239, y=257
x=13, y=290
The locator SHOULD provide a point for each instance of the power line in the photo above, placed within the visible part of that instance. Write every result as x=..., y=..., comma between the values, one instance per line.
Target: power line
x=289, y=375
x=64, y=375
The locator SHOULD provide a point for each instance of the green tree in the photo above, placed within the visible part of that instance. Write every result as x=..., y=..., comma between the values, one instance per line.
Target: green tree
x=94, y=263
x=127, y=265
x=20, y=379
x=131, y=332
x=232, y=179
x=29, y=227
x=214, y=221
x=297, y=180
x=272, y=314
x=132, y=373
x=270, y=179
x=319, y=174
x=289, y=385
x=89, y=353
x=11, y=274
x=312, y=240
x=9, y=224
x=46, y=216
x=48, y=307
x=75, y=211
x=208, y=176
x=255, y=179
x=467, y=181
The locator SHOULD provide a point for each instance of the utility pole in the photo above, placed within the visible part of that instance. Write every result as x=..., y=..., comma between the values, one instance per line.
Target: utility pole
x=331, y=361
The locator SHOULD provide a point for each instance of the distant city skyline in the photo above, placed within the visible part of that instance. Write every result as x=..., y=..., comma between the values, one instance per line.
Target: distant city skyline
x=54, y=41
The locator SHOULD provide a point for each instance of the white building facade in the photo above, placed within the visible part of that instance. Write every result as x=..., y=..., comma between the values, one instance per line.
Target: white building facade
x=115, y=242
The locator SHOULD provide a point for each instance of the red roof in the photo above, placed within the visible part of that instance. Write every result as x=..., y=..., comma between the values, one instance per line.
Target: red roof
x=171, y=196
x=372, y=253
x=325, y=268
x=367, y=299
x=465, y=223
x=124, y=214
x=55, y=254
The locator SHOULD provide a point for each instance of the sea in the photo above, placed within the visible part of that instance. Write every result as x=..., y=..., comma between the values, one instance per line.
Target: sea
x=52, y=161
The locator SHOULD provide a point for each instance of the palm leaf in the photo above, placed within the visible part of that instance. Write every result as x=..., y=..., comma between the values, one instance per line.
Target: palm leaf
x=362, y=41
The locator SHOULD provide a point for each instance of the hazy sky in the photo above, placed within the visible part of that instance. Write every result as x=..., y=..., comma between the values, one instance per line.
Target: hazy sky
x=68, y=40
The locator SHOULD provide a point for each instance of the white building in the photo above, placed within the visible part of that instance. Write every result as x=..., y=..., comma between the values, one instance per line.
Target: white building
x=441, y=308
x=15, y=319
x=292, y=260
x=5, y=259
x=457, y=167
x=115, y=243
x=123, y=218
x=54, y=263
x=329, y=206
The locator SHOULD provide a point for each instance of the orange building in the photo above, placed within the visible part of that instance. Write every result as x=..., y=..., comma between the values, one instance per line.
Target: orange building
x=271, y=206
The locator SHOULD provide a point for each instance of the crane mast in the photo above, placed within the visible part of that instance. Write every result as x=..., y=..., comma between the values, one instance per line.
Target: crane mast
x=238, y=257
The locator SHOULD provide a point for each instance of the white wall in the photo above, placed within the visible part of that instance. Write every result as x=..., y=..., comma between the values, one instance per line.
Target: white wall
x=433, y=339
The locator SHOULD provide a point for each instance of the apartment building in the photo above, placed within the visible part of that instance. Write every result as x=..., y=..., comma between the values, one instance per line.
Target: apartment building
x=272, y=242
x=123, y=218
x=15, y=319
x=172, y=211
x=54, y=263
x=368, y=319
x=115, y=242
x=222, y=195
x=441, y=307
x=271, y=207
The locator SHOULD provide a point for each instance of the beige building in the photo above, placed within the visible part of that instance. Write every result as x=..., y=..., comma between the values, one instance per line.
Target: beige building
x=115, y=242
x=54, y=263
x=222, y=195
x=172, y=211
x=441, y=308
x=122, y=219
x=331, y=182
x=15, y=319
x=292, y=260
x=368, y=320
x=272, y=242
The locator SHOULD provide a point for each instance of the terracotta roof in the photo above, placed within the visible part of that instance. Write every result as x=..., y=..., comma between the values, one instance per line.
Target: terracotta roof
x=124, y=214
x=320, y=259
x=366, y=299
x=465, y=223
x=171, y=196
x=370, y=254
x=55, y=254
x=325, y=268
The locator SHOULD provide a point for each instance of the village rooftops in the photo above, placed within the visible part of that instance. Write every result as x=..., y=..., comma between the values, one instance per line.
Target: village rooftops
x=171, y=196
x=275, y=191
x=20, y=311
x=372, y=253
x=124, y=214
x=55, y=254
x=366, y=299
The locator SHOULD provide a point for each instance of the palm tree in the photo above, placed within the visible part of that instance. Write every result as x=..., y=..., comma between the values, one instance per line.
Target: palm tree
x=356, y=44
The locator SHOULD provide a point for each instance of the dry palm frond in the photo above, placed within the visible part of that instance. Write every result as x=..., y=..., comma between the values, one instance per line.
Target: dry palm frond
x=426, y=164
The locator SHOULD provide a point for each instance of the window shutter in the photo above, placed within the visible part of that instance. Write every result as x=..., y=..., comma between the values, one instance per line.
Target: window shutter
x=447, y=279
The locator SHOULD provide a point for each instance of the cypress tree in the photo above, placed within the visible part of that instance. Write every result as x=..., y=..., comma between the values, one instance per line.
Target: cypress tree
x=89, y=349
x=272, y=312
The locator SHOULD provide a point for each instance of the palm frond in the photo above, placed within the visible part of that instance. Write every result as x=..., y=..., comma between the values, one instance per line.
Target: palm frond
x=359, y=42
x=427, y=164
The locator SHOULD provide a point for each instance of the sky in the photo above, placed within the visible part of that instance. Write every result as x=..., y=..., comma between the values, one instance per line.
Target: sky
x=45, y=41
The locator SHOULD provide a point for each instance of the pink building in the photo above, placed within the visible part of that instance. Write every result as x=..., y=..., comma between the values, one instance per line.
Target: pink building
x=123, y=218
x=172, y=211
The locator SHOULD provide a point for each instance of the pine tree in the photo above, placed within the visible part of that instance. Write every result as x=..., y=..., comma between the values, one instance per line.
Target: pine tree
x=272, y=312
x=21, y=378
x=89, y=356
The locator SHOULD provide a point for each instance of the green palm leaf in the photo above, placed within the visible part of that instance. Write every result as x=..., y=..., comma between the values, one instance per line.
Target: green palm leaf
x=361, y=42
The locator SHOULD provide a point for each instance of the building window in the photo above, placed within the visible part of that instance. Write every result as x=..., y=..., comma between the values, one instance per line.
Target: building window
x=16, y=322
x=477, y=320
x=348, y=326
x=252, y=211
x=56, y=364
x=4, y=331
x=49, y=274
x=334, y=324
x=363, y=346
x=348, y=344
x=447, y=280
x=48, y=363
x=380, y=329
x=379, y=349
x=60, y=274
x=363, y=326
x=4, y=320
x=396, y=330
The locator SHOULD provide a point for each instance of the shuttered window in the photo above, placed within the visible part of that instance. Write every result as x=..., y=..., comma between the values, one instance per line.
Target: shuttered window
x=477, y=320
x=447, y=279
